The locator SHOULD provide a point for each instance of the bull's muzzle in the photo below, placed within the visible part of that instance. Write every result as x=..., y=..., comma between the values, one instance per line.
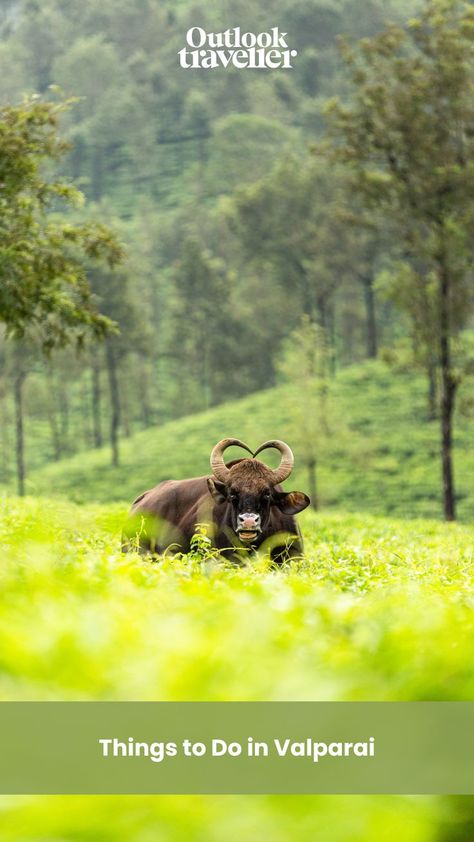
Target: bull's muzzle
x=248, y=526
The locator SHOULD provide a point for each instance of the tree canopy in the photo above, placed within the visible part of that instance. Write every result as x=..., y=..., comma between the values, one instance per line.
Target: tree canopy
x=406, y=138
x=44, y=286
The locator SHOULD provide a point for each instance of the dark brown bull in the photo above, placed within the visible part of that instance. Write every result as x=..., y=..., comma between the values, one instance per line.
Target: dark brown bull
x=242, y=503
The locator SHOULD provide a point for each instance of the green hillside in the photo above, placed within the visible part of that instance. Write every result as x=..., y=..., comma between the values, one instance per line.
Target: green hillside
x=381, y=458
x=378, y=609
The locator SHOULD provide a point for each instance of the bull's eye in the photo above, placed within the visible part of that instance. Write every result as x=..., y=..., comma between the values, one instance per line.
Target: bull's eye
x=233, y=497
x=266, y=496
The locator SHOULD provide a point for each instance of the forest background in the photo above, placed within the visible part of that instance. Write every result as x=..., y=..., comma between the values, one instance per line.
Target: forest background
x=250, y=263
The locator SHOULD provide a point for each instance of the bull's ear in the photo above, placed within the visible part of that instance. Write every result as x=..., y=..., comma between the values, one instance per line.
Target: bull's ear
x=291, y=502
x=217, y=489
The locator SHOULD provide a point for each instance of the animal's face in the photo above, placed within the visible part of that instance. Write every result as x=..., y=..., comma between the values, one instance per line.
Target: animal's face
x=250, y=495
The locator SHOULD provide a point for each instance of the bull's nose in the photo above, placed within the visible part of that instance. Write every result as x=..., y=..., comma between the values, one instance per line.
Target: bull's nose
x=249, y=520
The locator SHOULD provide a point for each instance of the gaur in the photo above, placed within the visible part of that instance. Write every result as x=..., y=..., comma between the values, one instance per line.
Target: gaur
x=242, y=503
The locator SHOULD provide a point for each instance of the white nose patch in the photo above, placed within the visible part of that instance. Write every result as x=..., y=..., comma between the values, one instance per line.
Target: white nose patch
x=249, y=518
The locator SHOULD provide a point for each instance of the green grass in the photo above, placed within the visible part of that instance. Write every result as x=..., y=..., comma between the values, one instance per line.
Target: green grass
x=381, y=458
x=219, y=819
x=378, y=609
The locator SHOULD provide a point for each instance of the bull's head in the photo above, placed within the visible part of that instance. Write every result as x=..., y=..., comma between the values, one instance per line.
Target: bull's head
x=249, y=487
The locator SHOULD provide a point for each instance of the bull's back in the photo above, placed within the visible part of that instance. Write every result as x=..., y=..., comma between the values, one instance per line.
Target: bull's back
x=167, y=514
x=171, y=498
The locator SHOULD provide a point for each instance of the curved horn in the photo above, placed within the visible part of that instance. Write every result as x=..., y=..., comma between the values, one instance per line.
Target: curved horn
x=219, y=469
x=287, y=459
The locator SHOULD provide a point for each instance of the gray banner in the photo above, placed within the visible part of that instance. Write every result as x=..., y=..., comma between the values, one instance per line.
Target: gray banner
x=237, y=747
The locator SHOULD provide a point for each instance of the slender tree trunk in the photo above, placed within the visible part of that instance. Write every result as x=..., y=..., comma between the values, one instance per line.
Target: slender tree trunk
x=322, y=313
x=5, y=443
x=206, y=384
x=448, y=392
x=85, y=414
x=371, y=321
x=19, y=432
x=331, y=334
x=145, y=396
x=432, y=390
x=312, y=487
x=64, y=417
x=114, y=402
x=447, y=407
x=96, y=403
x=307, y=291
x=53, y=426
x=52, y=417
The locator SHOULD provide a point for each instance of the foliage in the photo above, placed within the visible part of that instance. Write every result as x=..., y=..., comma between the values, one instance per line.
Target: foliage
x=406, y=138
x=371, y=611
x=304, y=365
x=287, y=220
x=207, y=342
x=378, y=609
x=201, y=543
x=411, y=86
x=157, y=150
x=44, y=283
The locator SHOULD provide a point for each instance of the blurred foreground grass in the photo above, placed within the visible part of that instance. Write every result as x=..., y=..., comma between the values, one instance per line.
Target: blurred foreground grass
x=219, y=819
x=378, y=609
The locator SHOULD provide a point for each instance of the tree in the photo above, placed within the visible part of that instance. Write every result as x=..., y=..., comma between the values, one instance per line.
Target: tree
x=44, y=286
x=407, y=139
x=244, y=148
x=45, y=295
x=299, y=221
x=412, y=288
x=283, y=220
x=21, y=358
x=109, y=126
x=212, y=350
x=116, y=301
x=304, y=365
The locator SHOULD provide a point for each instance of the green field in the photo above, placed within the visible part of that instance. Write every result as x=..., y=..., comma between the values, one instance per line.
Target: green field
x=382, y=456
x=219, y=819
x=378, y=609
